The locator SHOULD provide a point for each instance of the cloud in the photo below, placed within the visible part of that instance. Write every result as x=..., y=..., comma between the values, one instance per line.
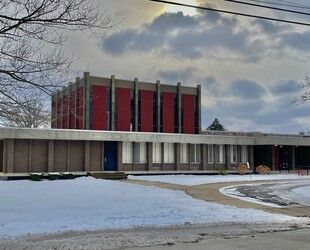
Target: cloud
x=285, y=87
x=246, y=89
x=297, y=40
x=270, y=27
x=186, y=36
x=182, y=75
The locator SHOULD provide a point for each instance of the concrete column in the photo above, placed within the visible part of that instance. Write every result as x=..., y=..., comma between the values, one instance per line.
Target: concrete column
x=179, y=115
x=9, y=156
x=50, y=156
x=103, y=156
x=59, y=96
x=76, y=89
x=136, y=96
x=251, y=157
x=149, y=155
x=87, y=156
x=68, y=156
x=158, y=105
x=119, y=157
x=204, y=156
x=30, y=156
x=177, y=151
x=54, y=111
x=133, y=156
x=189, y=156
x=215, y=153
x=273, y=158
x=86, y=117
x=227, y=153
x=199, y=108
x=162, y=156
x=293, y=158
x=112, y=103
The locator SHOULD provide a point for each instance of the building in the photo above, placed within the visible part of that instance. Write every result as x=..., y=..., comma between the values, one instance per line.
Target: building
x=105, y=124
x=97, y=103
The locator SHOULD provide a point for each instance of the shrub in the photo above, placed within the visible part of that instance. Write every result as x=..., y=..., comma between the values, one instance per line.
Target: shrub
x=68, y=175
x=53, y=176
x=36, y=176
x=262, y=169
x=242, y=169
x=222, y=171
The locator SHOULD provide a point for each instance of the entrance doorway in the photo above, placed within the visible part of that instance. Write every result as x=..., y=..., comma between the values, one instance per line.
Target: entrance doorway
x=110, y=153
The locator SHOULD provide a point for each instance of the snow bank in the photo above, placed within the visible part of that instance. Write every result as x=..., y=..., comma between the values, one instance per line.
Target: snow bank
x=90, y=204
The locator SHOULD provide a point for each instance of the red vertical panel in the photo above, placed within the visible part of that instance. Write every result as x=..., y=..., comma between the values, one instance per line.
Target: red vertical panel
x=59, y=114
x=168, y=112
x=276, y=158
x=80, y=109
x=99, y=108
x=188, y=114
x=66, y=113
x=123, y=109
x=54, y=114
x=72, y=113
x=146, y=111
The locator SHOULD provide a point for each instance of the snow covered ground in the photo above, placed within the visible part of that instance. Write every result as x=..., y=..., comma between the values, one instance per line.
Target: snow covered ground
x=192, y=180
x=28, y=207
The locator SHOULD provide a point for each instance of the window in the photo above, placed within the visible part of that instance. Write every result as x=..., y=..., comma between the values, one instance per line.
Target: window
x=210, y=153
x=244, y=154
x=168, y=153
x=156, y=152
x=195, y=153
x=127, y=152
x=140, y=152
x=233, y=153
x=184, y=153
x=220, y=157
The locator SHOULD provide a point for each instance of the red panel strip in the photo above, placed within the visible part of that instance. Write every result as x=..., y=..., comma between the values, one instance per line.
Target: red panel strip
x=80, y=109
x=54, y=115
x=99, y=108
x=66, y=113
x=59, y=116
x=168, y=112
x=72, y=113
x=188, y=114
x=123, y=109
x=146, y=111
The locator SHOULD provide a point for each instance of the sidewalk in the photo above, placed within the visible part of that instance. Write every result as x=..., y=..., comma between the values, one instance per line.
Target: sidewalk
x=211, y=193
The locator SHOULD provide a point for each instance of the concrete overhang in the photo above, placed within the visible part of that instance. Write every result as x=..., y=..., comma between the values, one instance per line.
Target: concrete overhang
x=228, y=138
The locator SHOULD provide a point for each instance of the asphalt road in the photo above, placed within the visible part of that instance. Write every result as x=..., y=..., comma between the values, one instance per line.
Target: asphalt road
x=280, y=194
x=288, y=240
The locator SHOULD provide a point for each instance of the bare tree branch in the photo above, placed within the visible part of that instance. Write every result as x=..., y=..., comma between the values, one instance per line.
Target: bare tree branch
x=304, y=86
x=32, y=35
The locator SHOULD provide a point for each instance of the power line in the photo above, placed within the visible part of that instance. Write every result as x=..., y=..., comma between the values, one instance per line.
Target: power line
x=299, y=6
x=269, y=7
x=233, y=13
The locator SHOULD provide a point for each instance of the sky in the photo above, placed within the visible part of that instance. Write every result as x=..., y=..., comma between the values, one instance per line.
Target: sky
x=249, y=69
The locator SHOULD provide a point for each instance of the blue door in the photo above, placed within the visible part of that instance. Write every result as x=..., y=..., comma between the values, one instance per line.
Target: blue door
x=110, y=156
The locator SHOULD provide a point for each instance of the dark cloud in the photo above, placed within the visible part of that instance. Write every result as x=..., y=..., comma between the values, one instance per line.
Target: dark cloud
x=186, y=36
x=246, y=89
x=270, y=27
x=296, y=40
x=285, y=87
